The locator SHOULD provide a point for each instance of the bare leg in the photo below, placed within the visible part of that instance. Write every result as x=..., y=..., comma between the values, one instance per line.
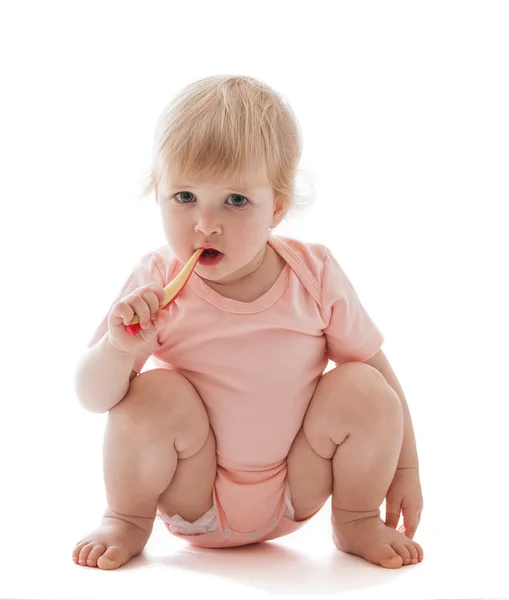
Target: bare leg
x=355, y=419
x=364, y=465
x=160, y=424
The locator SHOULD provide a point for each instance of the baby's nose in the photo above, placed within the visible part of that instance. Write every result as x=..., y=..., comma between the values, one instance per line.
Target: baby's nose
x=208, y=225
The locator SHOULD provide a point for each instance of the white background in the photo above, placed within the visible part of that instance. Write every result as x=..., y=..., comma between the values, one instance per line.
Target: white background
x=403, y=108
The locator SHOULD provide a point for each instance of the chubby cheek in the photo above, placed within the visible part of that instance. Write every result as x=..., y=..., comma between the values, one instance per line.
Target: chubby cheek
x=178, y=237
x=245, y=240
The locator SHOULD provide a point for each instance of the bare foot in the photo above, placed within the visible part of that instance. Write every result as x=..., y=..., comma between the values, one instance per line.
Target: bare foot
x=113, y=543
x=377, y=543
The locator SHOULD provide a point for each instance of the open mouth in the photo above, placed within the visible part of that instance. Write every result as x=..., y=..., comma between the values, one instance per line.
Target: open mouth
x=210, y=257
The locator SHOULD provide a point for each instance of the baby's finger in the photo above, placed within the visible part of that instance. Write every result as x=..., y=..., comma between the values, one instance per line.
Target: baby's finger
x=158, y=291
x=410, y=522
x=117, y=320
x=124, y=312
x=152, y=300
x=141, y=308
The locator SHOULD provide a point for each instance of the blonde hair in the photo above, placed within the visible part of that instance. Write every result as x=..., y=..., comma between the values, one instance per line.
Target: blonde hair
x=229, y=128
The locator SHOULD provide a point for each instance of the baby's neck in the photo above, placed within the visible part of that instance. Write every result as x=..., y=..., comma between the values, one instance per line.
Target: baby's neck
x=253, y=285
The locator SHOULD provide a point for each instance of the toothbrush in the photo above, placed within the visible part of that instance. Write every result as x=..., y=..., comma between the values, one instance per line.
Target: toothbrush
x=171, y=291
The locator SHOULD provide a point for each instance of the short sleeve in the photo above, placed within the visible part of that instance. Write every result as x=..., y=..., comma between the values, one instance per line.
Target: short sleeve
x=351, y=334
x=146, y=271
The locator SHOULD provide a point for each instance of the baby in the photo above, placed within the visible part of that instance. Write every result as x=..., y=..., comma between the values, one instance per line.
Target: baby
x=237, y=433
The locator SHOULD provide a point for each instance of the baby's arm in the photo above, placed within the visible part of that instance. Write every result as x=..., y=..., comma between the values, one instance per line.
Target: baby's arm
x=102, y=376
x=105, y=369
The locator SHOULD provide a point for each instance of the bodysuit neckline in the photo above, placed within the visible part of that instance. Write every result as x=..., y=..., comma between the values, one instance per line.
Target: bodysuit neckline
x=265, y=301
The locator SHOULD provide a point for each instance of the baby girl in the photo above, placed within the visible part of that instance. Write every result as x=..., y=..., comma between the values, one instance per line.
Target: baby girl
x=237, y=433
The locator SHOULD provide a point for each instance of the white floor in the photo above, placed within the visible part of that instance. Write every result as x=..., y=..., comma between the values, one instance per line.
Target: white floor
x=52, y=494
x=461, y=562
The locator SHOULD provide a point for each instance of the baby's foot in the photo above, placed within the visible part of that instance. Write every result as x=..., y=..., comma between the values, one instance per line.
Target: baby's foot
x=113, y=543
x=377, y=543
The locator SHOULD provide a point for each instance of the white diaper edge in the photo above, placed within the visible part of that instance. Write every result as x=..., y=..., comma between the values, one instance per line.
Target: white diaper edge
x=208, y=522
x=205, y=524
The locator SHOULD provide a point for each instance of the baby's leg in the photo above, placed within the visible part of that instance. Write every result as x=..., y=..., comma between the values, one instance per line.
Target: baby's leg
x=355, y=421
x=158, y=447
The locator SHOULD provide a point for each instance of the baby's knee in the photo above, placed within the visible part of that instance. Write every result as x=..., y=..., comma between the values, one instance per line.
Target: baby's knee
x=372, y=394
x=360, y=392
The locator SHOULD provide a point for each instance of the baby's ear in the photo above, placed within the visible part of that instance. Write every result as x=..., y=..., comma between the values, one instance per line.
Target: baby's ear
x=279, y=211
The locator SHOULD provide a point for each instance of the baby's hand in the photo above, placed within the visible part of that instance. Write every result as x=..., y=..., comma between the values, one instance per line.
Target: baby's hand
x=404, y=496
x=145, y=302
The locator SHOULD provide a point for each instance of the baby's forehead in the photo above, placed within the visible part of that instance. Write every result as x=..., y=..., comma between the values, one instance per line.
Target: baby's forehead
x=245, y=184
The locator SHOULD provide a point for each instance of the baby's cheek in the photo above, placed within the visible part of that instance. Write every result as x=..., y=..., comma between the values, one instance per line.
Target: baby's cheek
x=251, y=233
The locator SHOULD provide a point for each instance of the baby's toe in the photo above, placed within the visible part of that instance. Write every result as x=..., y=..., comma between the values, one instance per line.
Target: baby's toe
x=388, y=558
x=412, y=550
x=77, y=550
x=85, y=551
x=112, y=558
x=420, y=551
x=95, y=553
x=402, y=550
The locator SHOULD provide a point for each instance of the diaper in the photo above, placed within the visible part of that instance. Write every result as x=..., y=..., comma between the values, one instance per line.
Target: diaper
x=208, y=522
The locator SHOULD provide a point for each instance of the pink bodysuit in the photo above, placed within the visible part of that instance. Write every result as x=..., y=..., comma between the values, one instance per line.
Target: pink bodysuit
x=255, y=365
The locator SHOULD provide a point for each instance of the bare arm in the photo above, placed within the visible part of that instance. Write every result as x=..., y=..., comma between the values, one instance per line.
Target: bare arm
x=103, y=375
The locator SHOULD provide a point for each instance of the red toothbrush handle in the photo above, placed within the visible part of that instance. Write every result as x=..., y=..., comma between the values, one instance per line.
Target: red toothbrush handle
x=132, y=330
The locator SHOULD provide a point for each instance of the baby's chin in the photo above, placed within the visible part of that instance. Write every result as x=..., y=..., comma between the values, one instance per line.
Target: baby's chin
x=215, y=274
x=220, y=274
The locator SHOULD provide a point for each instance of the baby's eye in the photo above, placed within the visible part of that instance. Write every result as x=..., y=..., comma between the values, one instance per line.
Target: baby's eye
x=187, y=194
x=239, y=197
x=238, y=200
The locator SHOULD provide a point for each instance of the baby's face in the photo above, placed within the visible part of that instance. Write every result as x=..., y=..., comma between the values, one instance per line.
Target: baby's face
x=232, y=219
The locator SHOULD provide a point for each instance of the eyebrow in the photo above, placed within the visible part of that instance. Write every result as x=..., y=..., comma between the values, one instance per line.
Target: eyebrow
x=240, y=188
